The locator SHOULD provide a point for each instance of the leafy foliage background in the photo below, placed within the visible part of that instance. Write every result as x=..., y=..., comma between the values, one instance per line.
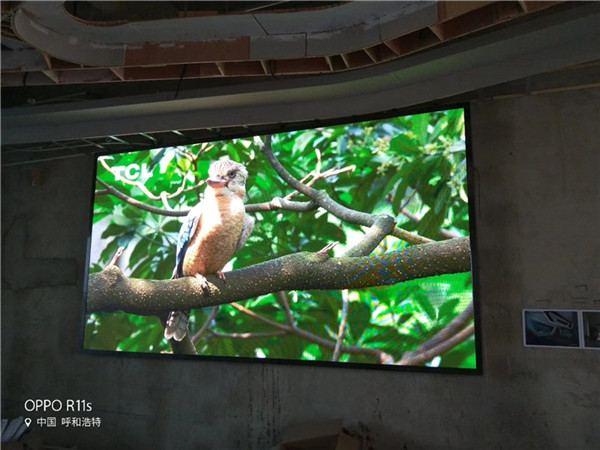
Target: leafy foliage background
x=412, y=167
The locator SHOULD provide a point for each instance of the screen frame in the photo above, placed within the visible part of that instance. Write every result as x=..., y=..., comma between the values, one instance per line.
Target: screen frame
x=274, y=128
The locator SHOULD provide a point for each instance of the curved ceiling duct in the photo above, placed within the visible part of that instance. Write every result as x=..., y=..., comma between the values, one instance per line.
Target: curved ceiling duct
x=186, y=85
x=334, y=37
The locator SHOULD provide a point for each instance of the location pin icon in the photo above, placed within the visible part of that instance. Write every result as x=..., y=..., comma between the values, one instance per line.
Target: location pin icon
x=27, y=422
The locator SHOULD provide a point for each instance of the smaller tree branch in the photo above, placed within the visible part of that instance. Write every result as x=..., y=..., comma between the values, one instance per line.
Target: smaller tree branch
x=277, y=203
x=407, y=236
x=147, y=192
x=205, y=327
x=143, y=206
x=116, y=256
x=381, y=356
x=439, y=343
x=342, y=328
x=281, y=203
x=317, y=175
x=286, y=306
x=218, y=334
x=454, y=327
x=445, y=346
x=319, y=197
x=381, y=227
x=323, y=200
x=446, y=234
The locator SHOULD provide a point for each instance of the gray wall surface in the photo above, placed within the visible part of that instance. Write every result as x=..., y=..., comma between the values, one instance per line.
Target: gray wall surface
x=536, y=162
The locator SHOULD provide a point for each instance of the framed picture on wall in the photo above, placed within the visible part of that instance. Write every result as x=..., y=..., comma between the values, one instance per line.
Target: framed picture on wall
x=551, y=328
x=590, y=325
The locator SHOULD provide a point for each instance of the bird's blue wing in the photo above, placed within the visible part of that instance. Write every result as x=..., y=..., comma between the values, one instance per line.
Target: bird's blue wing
x=185, y=236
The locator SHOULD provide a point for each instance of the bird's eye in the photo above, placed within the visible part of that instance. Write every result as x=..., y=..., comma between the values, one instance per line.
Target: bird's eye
x=232, y=173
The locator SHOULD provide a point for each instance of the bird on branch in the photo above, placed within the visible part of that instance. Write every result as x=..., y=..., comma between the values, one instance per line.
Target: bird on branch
x=213, y=231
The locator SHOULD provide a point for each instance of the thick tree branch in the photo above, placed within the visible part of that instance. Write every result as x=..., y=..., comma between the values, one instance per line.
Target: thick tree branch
x=110, y=290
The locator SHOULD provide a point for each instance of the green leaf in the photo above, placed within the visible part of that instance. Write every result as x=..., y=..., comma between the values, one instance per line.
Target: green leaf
x=171, y=226
x=447, y=311
x=404, y=144
x=113, y=230
x=359, y=317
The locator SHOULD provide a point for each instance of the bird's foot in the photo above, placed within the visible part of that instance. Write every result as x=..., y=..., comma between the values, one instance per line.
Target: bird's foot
x=203, y=282
x=221, y=275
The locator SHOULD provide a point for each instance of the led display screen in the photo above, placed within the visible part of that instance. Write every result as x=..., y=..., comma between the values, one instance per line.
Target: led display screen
x=367, y=262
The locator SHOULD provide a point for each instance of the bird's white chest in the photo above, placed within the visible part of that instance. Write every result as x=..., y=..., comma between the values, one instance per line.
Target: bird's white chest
x=216, y=236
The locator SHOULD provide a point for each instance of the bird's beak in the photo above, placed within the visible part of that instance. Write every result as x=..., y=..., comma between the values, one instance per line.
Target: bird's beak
x=216, y=182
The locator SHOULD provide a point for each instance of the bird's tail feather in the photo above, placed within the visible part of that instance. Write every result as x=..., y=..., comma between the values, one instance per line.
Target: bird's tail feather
x=177, y=325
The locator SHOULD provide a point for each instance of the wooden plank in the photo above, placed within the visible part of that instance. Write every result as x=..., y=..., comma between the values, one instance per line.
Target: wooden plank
x=524, y=6
x=379, y=53
x=532, y=6
x=372, y=54
x=438, y=30
x=87, y=76
x=172, y=72
x=358, y=59
x=391, y=47
x=53, y=75
x=413, y=42
x=336, y=63
x=265, y=66
x=118, y=71
x=59, y=64
x=242, y=68
x=346, y=60
x=329, y=63
x=221, y=67
x=450, y=9
x=301, y=65
x=479, y=19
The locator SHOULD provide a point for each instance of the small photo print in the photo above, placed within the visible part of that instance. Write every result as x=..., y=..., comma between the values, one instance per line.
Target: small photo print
x=545, y=328
x=591, y=329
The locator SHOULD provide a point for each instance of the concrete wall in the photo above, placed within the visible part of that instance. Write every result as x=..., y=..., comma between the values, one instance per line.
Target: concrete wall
x=538, y=211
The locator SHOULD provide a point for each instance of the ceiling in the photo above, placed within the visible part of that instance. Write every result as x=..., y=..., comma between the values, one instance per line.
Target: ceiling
x=91, y=76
